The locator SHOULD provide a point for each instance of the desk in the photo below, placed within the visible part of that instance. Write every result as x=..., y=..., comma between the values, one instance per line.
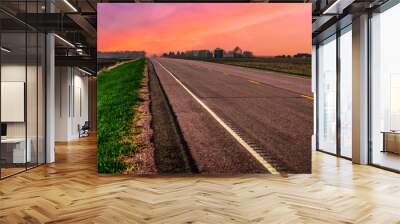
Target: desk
x=15, y=148
x=391, y=141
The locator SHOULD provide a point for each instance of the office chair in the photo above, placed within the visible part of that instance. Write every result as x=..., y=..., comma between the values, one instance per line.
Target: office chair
x=84, y=130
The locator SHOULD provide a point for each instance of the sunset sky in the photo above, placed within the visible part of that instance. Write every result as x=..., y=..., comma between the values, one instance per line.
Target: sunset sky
x=264, y=29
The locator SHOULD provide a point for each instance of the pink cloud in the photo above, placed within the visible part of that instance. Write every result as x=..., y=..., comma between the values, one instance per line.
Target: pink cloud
x=265, y=29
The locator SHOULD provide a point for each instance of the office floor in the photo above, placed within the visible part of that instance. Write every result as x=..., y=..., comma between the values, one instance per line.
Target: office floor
x=387, y=159
x=8, y=171
x=70, y=191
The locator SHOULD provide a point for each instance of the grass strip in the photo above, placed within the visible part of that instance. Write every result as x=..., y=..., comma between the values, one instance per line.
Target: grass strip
x=117, y=94
x=292, y=66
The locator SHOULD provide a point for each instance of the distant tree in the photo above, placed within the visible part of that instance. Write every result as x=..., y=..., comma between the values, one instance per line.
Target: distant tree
x=171, y=54
x=237, y=52
x=218, y=52
x=302, y=55
x=248, y=54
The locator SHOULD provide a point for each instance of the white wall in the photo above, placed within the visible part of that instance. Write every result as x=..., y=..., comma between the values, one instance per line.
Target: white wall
x=33, y=127
x=80, y=110
x=62, y=83
x=17, y=72
x=71, y=93
x=14, y=72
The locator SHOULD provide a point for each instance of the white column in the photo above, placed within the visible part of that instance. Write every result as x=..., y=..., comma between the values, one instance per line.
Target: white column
x=360, y=90
x=50, y=98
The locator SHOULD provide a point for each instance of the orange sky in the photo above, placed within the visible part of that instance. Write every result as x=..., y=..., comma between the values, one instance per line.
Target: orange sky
x=263, y=28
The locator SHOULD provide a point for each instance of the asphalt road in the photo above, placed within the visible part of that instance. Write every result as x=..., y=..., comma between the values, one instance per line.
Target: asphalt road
x=272, y=112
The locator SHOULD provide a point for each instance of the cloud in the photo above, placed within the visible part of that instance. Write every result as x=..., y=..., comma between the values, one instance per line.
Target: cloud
x=263, y=28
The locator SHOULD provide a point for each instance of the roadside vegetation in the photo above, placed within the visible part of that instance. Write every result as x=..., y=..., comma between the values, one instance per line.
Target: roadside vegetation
x=295, y=66
x=117, y=94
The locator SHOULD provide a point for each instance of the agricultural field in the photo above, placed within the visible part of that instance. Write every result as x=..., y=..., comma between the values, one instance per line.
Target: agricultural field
x=295, y=66
x=117, y=94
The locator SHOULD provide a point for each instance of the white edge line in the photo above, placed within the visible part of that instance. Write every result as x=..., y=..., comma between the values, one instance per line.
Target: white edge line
x=263, y=162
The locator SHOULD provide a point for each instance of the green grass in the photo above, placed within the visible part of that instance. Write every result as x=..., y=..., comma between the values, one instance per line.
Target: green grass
x=295, y=66
x=117, y=94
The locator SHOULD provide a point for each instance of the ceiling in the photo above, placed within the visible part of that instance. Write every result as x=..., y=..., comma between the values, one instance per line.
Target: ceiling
x=74, y=22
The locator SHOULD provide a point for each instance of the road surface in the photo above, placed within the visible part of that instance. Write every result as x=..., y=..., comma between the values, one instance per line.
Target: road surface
x=270, y=112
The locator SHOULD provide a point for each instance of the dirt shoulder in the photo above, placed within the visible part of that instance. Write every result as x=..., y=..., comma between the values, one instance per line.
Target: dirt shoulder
x=143, y=160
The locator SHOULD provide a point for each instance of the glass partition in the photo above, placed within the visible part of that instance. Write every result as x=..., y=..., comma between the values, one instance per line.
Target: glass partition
x=385, y=89
x=14, y=153
x=346, y=92
x=22, y=78
x=327, y=95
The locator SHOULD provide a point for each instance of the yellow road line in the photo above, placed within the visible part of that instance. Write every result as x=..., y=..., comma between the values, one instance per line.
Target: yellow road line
x=259, y=83
x=254, y=82
x=307, y=97
x=239, y=139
